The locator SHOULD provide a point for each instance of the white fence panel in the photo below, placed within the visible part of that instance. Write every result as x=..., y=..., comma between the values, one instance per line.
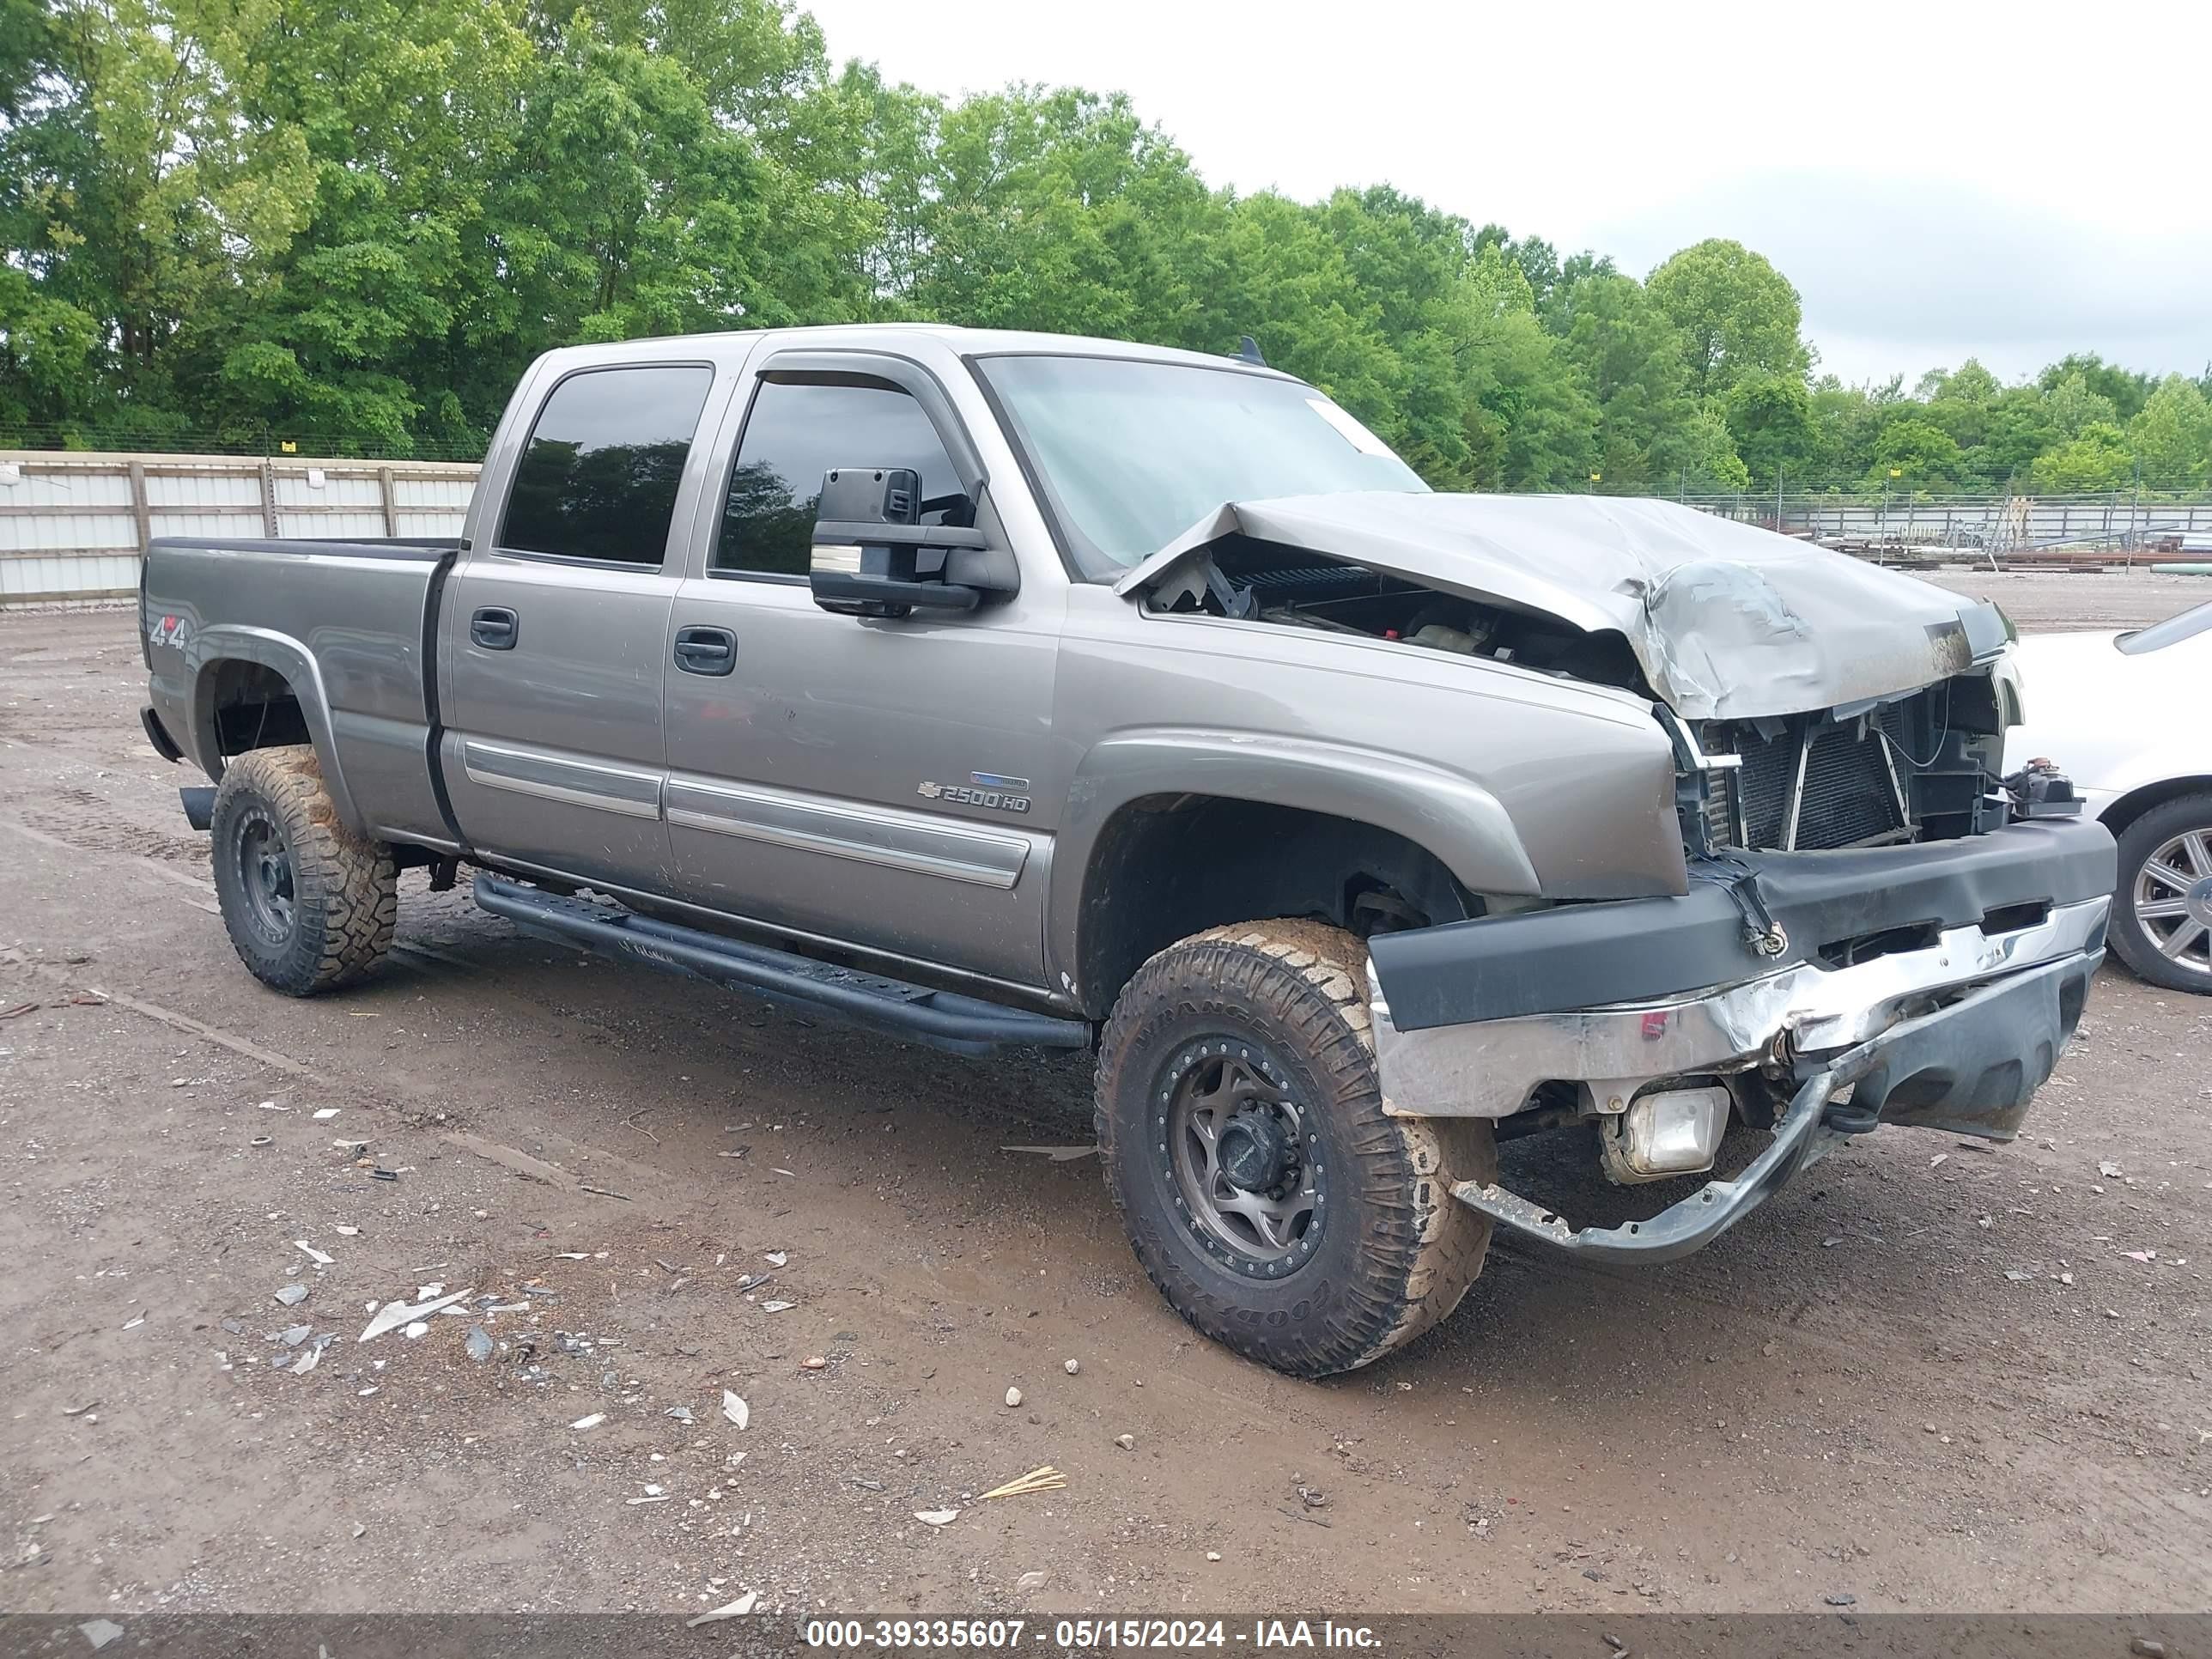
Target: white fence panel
x=75, y=525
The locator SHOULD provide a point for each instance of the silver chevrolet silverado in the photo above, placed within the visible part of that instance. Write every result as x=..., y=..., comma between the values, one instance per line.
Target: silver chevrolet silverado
x=993, y=689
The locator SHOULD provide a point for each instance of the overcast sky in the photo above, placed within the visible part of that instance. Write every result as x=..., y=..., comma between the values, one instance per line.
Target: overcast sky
x=1940, y=180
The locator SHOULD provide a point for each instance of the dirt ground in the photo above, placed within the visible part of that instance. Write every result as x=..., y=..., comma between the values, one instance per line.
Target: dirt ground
x=1928, y=1376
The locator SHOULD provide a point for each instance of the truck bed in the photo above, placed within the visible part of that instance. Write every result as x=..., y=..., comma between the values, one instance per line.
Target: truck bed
x=352, y=624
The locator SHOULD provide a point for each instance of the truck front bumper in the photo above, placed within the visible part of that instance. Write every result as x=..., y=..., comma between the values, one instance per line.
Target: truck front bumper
x=1938, y=984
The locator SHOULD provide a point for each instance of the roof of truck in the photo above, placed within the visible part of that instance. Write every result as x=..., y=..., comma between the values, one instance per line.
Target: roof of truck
x=966, y=342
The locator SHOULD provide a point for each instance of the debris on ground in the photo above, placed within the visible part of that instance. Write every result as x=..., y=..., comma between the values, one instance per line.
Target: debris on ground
x=591, y=1422
x=1841, y=1599
x=737, y=1609
x=1031, y=1580
x=777, y=1307
x=736, y=1409
x=2109, y=1170
x=1071, y=1366
x=1047, y=1479
x=99, y=1632
x=479, y=1344
x=392, y=1315
x=312, y=1355
x=937, y=1517
x=1125, y=1442
x=1013, y=1398
x=313, y=1253
x=1057, y=1154
x=777, y=1259
x=79, y=1411
x=814, y=1362
x=292, y=1295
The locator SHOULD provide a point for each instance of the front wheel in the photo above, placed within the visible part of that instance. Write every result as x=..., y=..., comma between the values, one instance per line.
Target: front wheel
x=1268, y=1196
x=2162, y=913
x=307, y=903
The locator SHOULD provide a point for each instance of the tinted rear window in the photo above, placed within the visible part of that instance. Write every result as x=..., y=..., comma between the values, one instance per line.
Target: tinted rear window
x=598, y=478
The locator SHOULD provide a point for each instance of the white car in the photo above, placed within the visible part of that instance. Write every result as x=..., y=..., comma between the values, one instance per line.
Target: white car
x=2125, y=716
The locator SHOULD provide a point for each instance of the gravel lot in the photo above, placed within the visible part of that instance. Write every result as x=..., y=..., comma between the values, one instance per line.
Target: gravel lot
x=1929, y=1375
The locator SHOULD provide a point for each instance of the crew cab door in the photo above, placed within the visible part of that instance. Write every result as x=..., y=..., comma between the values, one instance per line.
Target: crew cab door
x=891, y=783
x=554, y=626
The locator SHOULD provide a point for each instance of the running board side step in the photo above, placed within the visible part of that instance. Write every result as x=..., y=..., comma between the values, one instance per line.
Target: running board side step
x=943, y=1020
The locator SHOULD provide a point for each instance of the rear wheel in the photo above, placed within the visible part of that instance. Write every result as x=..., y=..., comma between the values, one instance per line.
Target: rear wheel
x=2162, y=913
x=308, y=904
x=1269, y=1197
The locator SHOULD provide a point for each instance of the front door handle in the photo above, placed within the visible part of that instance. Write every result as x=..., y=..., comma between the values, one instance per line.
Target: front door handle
x=706, y=650
x=494, y=628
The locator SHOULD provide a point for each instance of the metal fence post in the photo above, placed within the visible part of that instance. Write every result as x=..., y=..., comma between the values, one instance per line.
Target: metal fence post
x=138, y=508
x=269, y=499
x=390, y=507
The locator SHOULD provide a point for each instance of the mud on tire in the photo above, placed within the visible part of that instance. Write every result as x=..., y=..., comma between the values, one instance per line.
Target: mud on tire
x=1268, y=1021
x=308, y=904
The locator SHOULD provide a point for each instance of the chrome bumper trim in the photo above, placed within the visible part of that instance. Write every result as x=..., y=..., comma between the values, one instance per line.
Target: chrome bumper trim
x=1488, y=1068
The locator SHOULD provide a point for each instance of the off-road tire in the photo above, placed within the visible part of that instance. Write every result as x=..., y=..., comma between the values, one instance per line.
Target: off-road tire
x=1396, y=1252
x=345, y=893
x=2137, y=843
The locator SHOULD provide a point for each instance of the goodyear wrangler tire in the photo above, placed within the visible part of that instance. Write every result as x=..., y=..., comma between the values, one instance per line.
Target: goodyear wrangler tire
x=1267, y=1195
x=308, y=904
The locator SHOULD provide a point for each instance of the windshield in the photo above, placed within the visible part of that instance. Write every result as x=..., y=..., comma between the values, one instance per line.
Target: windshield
x=1131, y=454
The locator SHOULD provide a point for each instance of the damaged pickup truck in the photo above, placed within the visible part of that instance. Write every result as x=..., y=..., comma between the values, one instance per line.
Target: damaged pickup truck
x=995, y=689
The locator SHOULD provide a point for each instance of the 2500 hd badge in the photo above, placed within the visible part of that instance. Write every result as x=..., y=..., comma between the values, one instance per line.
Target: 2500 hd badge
x=986, y=789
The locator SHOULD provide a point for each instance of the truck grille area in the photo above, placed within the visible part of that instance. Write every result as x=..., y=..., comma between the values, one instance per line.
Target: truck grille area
x=1812, y=786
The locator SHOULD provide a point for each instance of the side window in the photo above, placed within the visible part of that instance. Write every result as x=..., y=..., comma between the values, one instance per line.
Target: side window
x=796, y=432
x=598, y=478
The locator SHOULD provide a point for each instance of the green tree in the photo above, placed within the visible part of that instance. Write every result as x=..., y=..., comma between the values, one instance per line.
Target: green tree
x=2171, y=436
x=1651, y=434
x=1739, y=316
x=1770, y=419
x=1913, y=453
x=2097, y=458
x=2017, y=428
x=2072, y=403
x=1062, y=210
x=2126, y=390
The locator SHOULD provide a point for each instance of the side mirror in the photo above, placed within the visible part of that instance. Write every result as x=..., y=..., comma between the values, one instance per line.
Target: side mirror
x=871, y=557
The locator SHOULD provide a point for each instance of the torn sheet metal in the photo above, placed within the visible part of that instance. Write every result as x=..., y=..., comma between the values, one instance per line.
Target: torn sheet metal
x=1727, y=621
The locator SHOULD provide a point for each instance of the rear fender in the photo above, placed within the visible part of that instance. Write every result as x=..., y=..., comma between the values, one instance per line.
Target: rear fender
x=212, y=646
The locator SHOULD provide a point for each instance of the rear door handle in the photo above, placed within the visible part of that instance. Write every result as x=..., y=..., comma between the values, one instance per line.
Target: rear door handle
x=494, y=628
x=706, y=650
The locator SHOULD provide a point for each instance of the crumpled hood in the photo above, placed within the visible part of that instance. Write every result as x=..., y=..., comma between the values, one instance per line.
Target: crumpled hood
x=1727, y=621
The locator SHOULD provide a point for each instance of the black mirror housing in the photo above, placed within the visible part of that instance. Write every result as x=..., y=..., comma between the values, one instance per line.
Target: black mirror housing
x=870, y=494
x=871, y=556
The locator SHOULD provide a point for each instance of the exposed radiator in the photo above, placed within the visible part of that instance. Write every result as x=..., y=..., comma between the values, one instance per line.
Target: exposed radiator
x=1819, y=784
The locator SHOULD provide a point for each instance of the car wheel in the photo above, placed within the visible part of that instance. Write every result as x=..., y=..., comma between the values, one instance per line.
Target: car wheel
x=1267, y=1195
x=308, y=905
x=2162, y=913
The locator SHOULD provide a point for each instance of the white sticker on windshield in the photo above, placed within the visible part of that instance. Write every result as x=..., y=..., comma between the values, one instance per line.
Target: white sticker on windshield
x=1356, y=434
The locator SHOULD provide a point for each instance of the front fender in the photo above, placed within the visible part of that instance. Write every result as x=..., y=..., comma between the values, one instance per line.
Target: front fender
x=211, y=646
x=1456, y=819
